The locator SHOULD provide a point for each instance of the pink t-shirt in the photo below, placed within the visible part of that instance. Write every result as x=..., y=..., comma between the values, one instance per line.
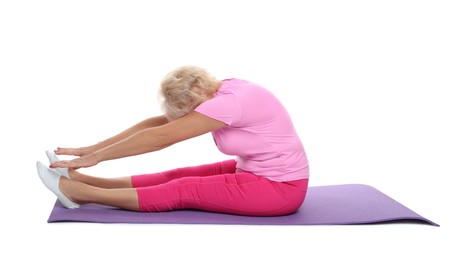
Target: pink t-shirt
x=259, y=131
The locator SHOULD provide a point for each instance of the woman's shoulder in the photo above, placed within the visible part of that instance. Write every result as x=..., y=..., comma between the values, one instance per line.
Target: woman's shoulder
x=232, y=81
x=241, y=86
x=236, y=82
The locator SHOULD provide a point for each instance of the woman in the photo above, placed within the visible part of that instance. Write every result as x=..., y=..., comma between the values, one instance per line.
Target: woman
x=269, y=176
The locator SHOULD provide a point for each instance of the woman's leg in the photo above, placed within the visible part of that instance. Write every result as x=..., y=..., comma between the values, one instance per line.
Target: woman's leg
x=118, y=192
x=154, y=178
x=108, y=183
x=73, y=193
x=81, y=193
x=239, y=193
x=204, y=170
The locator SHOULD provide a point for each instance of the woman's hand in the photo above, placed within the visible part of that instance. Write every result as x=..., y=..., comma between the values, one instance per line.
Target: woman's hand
x=74, y=151
x=84, y=161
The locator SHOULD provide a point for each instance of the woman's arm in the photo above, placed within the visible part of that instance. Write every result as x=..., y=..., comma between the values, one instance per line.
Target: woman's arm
x=147, y=123
x=148, y=140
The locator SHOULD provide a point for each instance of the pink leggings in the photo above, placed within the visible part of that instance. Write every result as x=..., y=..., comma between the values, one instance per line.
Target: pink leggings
x=218, y=187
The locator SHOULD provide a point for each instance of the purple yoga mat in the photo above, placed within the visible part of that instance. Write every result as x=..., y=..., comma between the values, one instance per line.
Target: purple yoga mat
x=324, y=205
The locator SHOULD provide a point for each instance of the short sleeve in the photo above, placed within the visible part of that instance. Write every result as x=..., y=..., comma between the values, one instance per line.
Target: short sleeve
x=223, y=107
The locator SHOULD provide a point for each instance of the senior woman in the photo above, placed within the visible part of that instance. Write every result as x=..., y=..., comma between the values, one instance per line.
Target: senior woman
x=268, y=176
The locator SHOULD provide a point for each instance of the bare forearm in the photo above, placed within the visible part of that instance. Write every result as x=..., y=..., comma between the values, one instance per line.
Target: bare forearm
x=141, y=142
x=148, y=140
x=147, y=123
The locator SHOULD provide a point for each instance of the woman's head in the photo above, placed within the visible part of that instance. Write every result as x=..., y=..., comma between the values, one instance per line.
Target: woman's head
x=184, y=88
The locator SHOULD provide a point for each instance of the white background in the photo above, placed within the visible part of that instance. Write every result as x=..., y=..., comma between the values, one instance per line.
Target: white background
x=373, y=88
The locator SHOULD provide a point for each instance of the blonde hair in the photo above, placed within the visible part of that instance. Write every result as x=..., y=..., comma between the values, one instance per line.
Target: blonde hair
x=184, y=88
